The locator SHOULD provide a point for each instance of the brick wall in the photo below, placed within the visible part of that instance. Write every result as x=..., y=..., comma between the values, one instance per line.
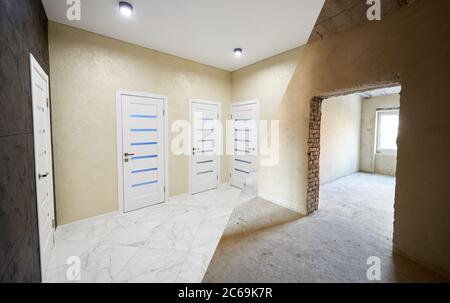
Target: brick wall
x=314, y=154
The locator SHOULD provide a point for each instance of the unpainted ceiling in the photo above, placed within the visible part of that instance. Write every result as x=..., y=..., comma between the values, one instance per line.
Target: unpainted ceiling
x=341, y=15
x=381, y=92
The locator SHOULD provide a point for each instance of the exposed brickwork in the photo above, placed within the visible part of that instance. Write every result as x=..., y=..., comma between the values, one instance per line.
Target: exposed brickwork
x=315, y=116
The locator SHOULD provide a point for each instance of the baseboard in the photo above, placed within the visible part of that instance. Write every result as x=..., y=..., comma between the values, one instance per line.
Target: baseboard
x=116, y=212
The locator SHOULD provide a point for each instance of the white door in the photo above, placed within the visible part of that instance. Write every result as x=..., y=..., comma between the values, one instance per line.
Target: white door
x=244, y=117
x=205, y=137
x=43, y=161
x=142, y=151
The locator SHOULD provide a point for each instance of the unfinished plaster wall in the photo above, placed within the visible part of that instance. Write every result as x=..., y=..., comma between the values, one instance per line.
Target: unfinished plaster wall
x=408, y=46
x=371, y=161
x=340, y=137
x=385, y=164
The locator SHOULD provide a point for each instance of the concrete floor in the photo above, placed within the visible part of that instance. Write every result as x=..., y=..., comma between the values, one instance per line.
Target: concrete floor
x=264, y=242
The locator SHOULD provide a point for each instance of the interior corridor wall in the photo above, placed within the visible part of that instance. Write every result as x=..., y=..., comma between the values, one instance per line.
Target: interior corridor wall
x=266, y=81
x=340, y=137
x=86, y=70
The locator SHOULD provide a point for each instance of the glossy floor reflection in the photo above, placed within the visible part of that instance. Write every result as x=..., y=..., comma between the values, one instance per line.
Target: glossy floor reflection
x=171, y=242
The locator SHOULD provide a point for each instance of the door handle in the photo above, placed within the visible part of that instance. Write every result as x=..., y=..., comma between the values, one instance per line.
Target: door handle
x=43, y=176
x=128, y=155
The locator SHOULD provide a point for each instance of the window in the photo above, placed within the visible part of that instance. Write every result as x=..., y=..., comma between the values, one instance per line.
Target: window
x=387, y=131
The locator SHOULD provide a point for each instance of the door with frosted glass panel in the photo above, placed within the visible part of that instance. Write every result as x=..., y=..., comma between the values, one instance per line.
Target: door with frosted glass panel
x=143, y=151
x=245, y=142
x=205, y=145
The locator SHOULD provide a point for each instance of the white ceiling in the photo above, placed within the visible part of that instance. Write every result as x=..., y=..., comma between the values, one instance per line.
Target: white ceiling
x=205, y=31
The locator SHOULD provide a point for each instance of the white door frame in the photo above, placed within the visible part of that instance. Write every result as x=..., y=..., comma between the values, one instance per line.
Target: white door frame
x=34, y=65
x=191, y=101
x=119, y=134
x=249, y=102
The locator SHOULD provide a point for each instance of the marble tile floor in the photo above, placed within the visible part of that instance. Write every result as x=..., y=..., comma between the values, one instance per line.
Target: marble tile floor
x=170, y=242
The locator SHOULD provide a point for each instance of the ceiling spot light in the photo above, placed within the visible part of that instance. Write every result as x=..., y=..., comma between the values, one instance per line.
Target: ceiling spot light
x=238, y=52
x=125, y=8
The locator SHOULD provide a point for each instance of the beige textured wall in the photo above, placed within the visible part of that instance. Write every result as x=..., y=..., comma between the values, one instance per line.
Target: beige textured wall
x=340, y=137
x=86, y=70
x=408, y=45
x=370, y=161
x=267, y=81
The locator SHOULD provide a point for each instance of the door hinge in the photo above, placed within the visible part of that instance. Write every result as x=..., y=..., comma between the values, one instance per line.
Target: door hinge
x=217, y=116
x=53, y=223
x=47, y=102
x=164, y=189
x=164, y=112
x=217, y=178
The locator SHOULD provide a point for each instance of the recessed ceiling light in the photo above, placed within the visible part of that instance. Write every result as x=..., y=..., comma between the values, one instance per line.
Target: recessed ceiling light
x=237, y=52
x=125, y=8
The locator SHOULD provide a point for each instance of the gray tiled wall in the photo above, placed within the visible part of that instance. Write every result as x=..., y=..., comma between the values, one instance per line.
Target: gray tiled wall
x=23, y=30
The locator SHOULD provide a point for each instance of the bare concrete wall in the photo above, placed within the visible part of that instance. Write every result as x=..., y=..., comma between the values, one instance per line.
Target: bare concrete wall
x=341, y=15
x=385, y=164
x=372, y=162
x=409, y=46
x=340, y=137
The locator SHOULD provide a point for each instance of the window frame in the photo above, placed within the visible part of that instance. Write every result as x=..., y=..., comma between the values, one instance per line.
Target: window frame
x=379, y=114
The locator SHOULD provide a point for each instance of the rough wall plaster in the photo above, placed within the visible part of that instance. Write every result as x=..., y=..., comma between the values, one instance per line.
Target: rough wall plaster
x=340, y=137
x=406, y=45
